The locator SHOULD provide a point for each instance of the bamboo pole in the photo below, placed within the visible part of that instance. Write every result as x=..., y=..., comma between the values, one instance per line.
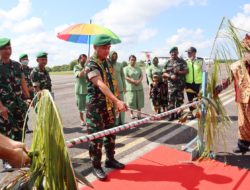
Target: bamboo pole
x=71, y=143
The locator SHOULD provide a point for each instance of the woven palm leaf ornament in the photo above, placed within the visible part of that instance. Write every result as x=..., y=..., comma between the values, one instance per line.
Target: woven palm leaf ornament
x=214, y=123
x=50, y=168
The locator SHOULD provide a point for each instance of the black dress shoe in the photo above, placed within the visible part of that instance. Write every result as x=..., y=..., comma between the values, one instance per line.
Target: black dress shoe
x=99, y=173
x=114, y=164
x=239, y=150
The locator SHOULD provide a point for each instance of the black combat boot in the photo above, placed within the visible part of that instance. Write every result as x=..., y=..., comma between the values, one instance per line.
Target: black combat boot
x=99, y=173
x=113, y=163
x=95, y=154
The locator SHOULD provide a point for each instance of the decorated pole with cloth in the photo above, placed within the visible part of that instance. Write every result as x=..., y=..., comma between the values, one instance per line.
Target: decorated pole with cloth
x=71, y=143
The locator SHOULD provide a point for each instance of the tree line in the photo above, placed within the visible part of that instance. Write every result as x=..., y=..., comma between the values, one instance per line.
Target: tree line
x=70, y=66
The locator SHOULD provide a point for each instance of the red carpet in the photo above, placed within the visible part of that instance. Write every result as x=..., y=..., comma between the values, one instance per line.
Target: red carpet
x=164, y=168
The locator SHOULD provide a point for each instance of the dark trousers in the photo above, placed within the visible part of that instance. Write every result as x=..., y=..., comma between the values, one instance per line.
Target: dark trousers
x=99, y=120
x=191, y=95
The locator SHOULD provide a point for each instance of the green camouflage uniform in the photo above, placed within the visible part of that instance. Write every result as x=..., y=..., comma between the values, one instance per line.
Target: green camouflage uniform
x=97, y=116
x=175, y=88
x=27, y=71
x=11, y=75
x=41, y=79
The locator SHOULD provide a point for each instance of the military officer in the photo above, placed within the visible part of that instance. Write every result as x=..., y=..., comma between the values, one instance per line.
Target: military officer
x=12, y=86
x=100, y=103
x=40, y=76
x=175, y=69
x=24, y=60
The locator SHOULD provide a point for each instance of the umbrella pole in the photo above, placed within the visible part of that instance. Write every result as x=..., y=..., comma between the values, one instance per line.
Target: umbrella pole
x=89, y=47
x=89, y=41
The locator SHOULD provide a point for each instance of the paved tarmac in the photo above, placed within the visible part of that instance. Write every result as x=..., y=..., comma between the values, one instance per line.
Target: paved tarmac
x=137, y=141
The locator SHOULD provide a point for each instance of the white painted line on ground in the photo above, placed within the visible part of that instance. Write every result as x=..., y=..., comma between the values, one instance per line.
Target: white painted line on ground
x=155, y=133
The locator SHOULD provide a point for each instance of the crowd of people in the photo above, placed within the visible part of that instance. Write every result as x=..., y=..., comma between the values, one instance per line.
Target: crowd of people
x=102, y=84
x=166, y=85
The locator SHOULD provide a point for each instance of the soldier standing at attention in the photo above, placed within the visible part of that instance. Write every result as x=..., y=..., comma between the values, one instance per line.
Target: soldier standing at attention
x=40, y=76
x=81, y=86
x=175, y=69
x=12, y=86
x=100, y=105
x=24, y=60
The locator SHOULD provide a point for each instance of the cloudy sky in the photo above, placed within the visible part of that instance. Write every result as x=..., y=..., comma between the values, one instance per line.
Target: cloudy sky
x=151, y=25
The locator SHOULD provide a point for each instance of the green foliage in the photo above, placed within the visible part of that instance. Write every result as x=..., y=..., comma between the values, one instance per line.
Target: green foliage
x=124, y=63
x=48, y=69
x=72, y=64
x=61, y=68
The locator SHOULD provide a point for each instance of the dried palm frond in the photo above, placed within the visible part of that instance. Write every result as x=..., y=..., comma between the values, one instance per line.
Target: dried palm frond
x=51, y=168
x=227, y=48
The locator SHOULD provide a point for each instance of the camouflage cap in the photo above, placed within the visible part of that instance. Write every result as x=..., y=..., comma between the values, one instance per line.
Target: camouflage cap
x=41, y=54
x=173, y=49
x=4, y=42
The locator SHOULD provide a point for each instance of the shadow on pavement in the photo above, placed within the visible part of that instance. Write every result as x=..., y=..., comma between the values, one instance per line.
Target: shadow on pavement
x=74, y=130
x=241, y=161
x=183, y=137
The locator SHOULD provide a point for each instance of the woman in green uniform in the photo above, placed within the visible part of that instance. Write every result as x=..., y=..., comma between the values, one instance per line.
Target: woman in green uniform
x=119, y=76
x=154, y=69
x=150, y=71
x=134, y=95
x=81, y=86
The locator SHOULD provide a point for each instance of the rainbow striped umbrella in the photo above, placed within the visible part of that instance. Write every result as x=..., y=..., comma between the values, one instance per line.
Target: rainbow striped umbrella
x=86, y=33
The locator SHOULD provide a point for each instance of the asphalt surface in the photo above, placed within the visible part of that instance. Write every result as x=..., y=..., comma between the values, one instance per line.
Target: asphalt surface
x=137, y=141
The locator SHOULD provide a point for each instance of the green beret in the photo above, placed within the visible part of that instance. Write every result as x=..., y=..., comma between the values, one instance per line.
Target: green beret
x=23, y=55
x=4, y=42
x=41, y=54
x=104, y=39
x=173, y=49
